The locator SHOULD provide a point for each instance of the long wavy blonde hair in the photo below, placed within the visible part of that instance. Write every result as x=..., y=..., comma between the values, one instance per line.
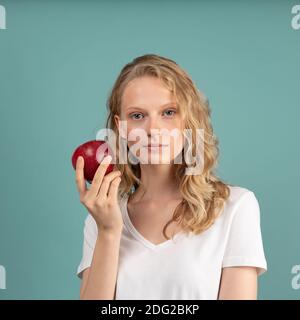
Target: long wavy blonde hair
x=204, y=195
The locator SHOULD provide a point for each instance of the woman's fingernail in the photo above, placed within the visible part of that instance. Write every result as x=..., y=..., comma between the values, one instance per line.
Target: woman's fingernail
x=107, y=159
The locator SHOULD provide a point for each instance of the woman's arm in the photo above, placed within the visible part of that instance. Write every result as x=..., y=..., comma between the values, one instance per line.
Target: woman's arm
x=101, y=200
x=100, y=279
x=238, y=283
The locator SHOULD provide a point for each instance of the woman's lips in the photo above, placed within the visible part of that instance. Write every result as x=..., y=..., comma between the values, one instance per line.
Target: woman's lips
x=155, y=148
x=155, y=145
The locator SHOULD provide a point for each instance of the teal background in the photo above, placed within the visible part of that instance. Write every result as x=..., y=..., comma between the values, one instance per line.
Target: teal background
x=58, y=61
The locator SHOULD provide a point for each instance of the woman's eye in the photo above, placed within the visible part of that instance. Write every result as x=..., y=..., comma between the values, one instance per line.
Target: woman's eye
x=135, y=116
x=171, y=111
x=132, y=116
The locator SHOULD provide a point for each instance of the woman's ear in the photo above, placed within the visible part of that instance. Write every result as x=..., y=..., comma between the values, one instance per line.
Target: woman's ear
x=122, y=131
x=116, y=119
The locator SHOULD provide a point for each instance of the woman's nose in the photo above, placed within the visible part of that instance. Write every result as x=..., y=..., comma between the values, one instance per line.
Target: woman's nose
x=153, y=126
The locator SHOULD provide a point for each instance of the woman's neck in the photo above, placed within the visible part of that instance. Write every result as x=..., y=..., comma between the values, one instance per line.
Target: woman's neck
x=158, y=183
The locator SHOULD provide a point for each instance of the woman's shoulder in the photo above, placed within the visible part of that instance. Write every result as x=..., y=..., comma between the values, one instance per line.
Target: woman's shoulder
x=239, y=197
x=237, y=192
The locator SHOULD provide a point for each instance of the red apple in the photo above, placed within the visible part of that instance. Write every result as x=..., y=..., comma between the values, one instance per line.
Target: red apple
x=93, y=152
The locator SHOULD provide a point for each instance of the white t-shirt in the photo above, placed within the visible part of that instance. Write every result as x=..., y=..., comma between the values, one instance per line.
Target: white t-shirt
x=190, y=266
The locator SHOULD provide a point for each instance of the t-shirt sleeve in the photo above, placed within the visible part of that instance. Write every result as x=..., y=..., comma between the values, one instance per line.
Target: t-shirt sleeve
x=90, y=233
x=245, y=246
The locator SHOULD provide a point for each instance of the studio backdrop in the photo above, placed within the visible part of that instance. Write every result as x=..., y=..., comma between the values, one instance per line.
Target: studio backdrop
x=58, y=62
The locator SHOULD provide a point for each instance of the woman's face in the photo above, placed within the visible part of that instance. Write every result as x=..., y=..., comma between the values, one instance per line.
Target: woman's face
x=152, y=117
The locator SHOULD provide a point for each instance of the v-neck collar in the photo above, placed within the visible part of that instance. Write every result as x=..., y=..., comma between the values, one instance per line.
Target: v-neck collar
x=139, y=236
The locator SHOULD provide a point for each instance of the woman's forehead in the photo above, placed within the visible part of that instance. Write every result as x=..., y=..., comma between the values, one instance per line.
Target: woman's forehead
x=142, y=92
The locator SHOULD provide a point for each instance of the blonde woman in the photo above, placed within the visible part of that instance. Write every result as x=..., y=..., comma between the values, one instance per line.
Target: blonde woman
x=153, y=231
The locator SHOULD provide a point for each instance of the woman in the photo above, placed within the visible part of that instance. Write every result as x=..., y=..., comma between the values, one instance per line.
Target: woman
x=215, y=250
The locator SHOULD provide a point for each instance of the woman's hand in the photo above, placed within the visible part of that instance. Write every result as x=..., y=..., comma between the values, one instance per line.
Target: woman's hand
x=101, y=200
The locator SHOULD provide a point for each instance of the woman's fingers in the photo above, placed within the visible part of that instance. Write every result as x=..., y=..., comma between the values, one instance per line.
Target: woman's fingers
x=101, y=183
x=80, y=181
x=106, y=184
x=98, y=177
x=113, y=188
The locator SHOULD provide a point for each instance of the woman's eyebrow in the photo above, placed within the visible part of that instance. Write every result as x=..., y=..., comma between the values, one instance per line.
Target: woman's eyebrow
x=174, y=104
